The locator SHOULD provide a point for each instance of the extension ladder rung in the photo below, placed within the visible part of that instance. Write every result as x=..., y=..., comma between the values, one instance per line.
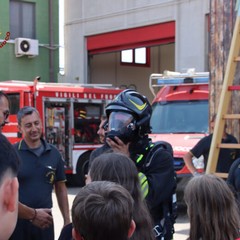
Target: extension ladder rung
x=231, y=116
x=221, y=175
x=232, y=88
x=229, y=145
x=237, y=59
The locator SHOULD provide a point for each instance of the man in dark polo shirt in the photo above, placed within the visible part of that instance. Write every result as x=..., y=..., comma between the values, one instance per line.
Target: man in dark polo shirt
x=43, y=219
x=226, y=156
x=41, y=169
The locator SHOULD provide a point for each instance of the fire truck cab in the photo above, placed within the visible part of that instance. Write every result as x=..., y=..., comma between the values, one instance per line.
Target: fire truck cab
x=180, y=113
x=70, y=114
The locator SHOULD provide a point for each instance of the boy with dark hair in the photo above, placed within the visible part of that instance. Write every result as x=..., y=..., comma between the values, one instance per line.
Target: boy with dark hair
x=9, y=164
x=103, y=211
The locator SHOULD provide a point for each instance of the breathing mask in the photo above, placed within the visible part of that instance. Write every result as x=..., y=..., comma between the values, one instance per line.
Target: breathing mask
x=121, y=125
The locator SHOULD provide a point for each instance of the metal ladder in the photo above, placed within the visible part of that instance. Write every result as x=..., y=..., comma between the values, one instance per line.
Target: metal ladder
x=225, y=97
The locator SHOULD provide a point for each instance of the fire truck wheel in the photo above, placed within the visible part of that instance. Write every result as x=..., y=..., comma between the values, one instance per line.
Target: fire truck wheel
x=82, y=169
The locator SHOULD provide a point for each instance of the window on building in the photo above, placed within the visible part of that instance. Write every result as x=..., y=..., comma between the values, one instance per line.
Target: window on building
x=22, y=19
x=136, y=56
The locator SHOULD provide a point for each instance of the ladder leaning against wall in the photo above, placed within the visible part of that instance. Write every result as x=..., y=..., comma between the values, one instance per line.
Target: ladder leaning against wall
x=225, y=97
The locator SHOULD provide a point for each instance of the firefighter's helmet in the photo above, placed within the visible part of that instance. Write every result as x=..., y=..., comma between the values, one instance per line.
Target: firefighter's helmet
x=129, y=114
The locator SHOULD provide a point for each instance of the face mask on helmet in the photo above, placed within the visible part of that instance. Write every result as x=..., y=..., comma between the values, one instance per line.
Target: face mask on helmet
x=136, y=104
x=121, y=125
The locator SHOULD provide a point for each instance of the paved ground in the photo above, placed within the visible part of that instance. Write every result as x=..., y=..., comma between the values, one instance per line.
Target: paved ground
x=181, y=227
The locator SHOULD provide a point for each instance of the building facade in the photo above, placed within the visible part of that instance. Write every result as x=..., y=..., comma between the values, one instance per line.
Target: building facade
x=29, y=39
x=174, y=33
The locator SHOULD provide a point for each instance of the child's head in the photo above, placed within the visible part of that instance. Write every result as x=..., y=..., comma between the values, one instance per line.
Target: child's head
x=9, y=164
x=116, y=167
x=103, y=211
x=211, y=207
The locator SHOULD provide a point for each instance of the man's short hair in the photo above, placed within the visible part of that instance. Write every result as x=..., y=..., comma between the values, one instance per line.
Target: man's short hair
x=102, y=210
x=28, y=110
x=9, y=160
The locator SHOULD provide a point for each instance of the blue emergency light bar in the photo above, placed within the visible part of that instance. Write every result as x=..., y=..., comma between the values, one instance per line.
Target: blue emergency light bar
x=157, y=80
x=186, y=80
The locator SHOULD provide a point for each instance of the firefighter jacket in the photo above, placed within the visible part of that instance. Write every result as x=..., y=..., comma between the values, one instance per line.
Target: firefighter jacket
x=159, y=183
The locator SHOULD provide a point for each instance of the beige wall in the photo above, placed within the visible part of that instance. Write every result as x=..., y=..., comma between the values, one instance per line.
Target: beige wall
x=106, y=68
x=86, y=18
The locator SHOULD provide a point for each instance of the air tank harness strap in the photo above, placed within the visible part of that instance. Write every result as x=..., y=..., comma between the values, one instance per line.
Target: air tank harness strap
x=142, y=177
x=140, y=157
x=144, y=184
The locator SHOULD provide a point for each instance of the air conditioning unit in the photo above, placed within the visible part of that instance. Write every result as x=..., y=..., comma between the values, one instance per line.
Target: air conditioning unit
x=26, y=47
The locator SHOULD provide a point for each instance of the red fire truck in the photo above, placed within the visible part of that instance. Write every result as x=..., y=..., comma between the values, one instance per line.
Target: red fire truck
x=180, y=113
x=70, y=114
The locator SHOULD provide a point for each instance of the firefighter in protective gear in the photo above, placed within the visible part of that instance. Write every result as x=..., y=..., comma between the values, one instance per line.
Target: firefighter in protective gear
x=128, y=127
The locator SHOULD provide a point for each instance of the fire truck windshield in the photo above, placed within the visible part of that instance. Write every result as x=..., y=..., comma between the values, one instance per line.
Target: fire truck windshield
x=180, y=117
